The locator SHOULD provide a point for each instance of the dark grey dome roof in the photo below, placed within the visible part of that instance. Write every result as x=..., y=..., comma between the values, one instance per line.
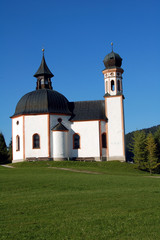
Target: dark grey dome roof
x=42, y=101
x=112, y=60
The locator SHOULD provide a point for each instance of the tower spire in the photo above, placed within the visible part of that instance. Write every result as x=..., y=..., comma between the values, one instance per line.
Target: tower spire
x=43, y=51
x=43, y=75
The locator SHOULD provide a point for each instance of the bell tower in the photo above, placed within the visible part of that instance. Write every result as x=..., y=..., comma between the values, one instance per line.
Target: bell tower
x=43, y=75
x=114, y=109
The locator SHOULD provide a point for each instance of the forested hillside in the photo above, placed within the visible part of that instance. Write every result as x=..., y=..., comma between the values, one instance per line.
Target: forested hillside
x=129, y=139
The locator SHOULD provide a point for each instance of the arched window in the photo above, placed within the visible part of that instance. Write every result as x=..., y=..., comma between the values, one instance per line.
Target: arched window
x=42, y=81
x=36, y=141
x=104, y=143
x=17, y=143
x=76, y=141
x=112, y=85
x=118, y=86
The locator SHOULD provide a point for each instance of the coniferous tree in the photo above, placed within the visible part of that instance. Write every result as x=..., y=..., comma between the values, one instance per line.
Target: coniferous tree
x=10, y=151
x=3, y=150
x=157, y=141
x=138, y=148
x=151, y=148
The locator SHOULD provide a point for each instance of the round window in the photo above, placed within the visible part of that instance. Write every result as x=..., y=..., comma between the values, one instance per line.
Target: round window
x=59, y=120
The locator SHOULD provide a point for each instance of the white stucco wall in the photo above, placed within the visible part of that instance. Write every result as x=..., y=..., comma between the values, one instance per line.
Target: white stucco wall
x=36, y=124
x=103, y=126
x=17, y=129
x=53, y=123
x=60, y=145
x=89, y=139
x=115, y=127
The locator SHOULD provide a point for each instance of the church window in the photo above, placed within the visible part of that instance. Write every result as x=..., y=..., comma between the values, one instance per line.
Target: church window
x=104, y=144
x=118, y=83
x=76, y=141
x=36, y=141
x=17, y=143
x=17, y=122
x=112, y=85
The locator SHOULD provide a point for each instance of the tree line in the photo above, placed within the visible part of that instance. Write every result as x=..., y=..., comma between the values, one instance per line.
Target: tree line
x=145, y=149
x=5, y=152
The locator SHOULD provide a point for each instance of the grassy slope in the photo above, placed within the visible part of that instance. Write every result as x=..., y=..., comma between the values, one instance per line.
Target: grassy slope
x=41, y=203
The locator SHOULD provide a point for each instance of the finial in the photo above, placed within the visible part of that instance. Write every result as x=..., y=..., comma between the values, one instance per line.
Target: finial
x=112, y=46
x=43, y=51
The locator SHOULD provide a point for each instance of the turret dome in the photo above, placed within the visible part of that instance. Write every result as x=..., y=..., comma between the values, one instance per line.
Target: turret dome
x=112, y=60
x=42, y=101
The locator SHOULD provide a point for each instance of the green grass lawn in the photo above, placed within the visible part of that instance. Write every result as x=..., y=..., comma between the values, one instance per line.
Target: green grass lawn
x=42, y=203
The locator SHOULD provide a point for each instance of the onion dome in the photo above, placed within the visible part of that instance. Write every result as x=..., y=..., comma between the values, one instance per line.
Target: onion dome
x=42, y=101
x=112, y=60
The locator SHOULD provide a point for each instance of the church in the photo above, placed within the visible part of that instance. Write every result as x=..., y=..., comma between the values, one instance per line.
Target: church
x=46, y=126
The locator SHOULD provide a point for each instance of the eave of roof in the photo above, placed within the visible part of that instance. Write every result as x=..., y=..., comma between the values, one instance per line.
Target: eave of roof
x=60, y=127
x=118, y=94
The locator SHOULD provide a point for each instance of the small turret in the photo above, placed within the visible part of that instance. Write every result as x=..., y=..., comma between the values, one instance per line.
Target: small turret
x=43, y=75
x=113, y=74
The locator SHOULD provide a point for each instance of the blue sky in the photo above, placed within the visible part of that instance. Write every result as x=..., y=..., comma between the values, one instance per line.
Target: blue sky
x=76, y=36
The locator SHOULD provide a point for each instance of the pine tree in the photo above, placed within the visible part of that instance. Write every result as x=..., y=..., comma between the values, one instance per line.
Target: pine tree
x=151, y=148
x=10, y=151
x=157, y=141
x=3, y=150
x=138, y=148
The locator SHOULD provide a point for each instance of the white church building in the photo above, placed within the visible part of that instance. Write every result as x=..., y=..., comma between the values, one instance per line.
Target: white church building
x=46, y=126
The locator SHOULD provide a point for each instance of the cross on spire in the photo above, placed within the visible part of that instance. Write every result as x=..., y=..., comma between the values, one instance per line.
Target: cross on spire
x=112, y=46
